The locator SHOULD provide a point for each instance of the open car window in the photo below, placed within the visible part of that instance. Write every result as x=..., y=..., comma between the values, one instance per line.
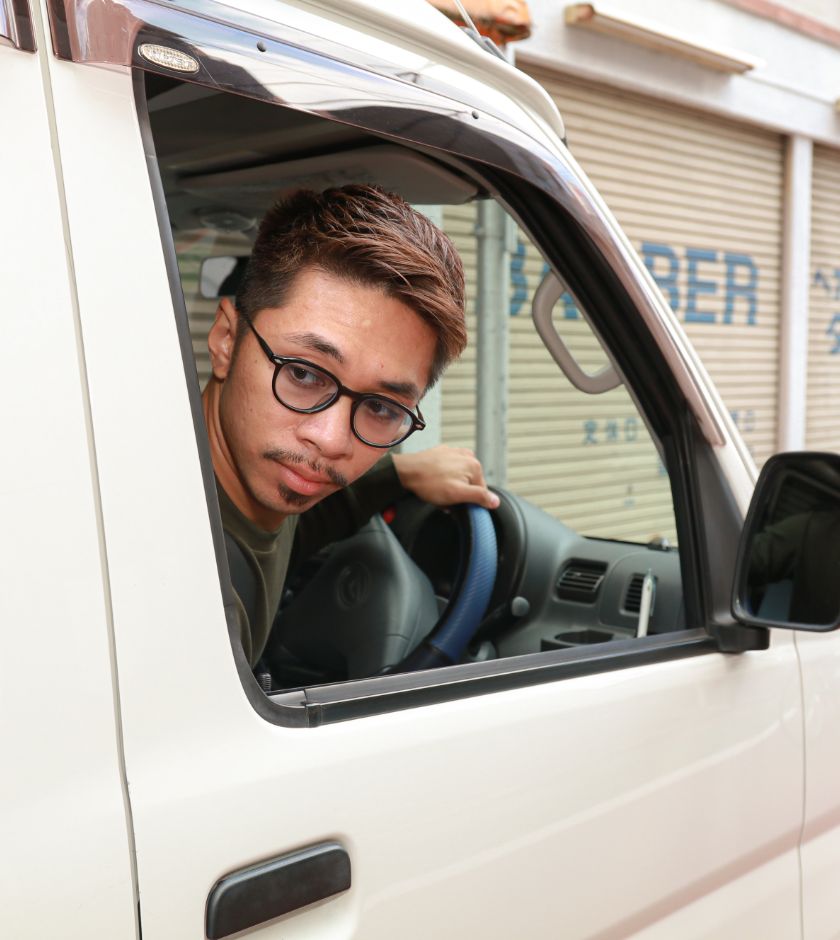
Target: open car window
x=587, y=531
x=586, y=458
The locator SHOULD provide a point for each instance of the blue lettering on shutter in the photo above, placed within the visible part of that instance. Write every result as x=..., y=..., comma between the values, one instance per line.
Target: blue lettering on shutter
x=666, y=280
x=518, y=281
x=834, y=332
x=697, y=286
x=745, y=290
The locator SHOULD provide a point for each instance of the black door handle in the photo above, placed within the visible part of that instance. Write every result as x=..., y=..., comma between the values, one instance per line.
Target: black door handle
x=269, y=889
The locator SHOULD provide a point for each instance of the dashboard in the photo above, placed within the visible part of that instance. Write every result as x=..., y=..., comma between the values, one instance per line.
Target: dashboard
x=365, y=604
x=554, y=587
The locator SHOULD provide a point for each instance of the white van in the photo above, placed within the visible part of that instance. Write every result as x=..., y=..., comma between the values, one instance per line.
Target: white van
x=600, y=763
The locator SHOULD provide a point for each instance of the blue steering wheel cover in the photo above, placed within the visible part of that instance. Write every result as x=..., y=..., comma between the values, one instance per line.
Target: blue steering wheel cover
x=460, y=623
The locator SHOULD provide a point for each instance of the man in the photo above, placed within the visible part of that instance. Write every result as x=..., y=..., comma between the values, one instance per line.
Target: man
x=351, y=306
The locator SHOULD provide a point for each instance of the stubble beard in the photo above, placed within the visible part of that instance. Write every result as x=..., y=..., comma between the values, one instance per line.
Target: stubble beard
x=293, y=498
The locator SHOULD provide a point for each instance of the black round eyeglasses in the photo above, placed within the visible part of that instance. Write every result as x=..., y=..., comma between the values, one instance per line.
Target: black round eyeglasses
x=301, y=386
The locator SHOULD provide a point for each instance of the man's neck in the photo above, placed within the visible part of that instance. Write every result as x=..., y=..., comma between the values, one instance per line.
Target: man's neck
x=225, y=469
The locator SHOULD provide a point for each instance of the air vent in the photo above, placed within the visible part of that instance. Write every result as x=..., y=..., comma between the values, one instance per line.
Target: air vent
x=580, y=580
x=633, y=595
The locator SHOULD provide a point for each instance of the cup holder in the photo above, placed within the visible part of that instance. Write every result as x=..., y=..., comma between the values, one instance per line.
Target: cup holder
x=572, y=638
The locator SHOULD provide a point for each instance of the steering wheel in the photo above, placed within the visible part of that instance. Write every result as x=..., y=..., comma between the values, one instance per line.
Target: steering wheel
x=369, y=609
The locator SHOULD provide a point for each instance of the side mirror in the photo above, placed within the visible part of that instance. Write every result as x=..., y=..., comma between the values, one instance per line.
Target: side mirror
x=221, y=276
x=788, y=569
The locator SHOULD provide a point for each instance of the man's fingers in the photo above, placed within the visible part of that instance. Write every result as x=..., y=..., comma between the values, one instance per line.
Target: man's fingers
x=473, y=471
x=479, y=495
x=445, y=476
x=478, y=476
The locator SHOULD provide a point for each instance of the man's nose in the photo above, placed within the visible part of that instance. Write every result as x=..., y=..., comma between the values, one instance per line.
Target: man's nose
x=329, y=430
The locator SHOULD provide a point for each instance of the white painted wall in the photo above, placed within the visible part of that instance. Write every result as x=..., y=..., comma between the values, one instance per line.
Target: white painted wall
x=826, y=11
x=793, y=92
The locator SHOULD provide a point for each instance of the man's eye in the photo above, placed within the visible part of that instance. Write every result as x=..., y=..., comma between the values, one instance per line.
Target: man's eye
x=306, y=378
x=383, y=411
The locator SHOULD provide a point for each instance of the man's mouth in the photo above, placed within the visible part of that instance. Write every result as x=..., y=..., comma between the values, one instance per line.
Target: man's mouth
x=304, y=477
x=303, y=483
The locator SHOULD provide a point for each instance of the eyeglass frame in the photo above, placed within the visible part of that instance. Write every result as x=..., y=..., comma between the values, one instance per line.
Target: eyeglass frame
x=418, y=422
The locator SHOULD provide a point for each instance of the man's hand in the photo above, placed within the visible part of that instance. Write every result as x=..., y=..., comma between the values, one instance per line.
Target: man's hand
x=445, y=476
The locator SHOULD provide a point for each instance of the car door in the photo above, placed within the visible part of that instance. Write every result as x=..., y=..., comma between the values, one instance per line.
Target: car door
x=550, y=794
x=66, y=856
x=820, y=837
x=786, y=578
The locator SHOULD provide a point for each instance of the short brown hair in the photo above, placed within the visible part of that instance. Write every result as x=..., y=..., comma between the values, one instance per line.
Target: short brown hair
x=369, y=236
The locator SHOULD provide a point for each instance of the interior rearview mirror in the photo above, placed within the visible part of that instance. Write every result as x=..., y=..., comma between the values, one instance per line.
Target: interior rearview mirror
x=788, y=569
x=221, y=276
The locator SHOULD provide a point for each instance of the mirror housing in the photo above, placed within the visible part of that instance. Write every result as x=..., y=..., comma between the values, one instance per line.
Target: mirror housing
x=788, y=568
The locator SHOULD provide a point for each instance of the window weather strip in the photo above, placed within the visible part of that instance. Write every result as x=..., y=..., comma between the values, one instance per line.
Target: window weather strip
x=362, y=698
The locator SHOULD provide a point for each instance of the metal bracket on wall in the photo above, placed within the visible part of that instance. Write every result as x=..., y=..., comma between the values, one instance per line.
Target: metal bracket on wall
x=16, y=25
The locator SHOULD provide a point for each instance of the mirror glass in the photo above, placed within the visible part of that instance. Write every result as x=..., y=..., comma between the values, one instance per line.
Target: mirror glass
x=789, y=569
x=220, y=276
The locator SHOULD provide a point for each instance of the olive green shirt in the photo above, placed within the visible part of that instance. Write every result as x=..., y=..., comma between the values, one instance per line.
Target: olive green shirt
x=268, y=553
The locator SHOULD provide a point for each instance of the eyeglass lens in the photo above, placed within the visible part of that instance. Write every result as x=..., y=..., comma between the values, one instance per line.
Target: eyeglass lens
x=376, y=420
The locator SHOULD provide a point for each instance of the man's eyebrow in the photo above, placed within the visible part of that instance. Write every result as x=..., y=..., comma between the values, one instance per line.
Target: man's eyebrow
x=407, y=389
x=317, y=343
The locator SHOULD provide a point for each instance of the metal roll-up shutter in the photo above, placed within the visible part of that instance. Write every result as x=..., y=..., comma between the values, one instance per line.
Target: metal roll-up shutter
x=458, y=391
x=587, y=459
x=822, y=429
x=701, y=199
x=617, y=489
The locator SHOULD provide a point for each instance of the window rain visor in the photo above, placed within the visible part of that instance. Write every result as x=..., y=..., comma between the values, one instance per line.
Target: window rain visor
x=16, y=25
x=270, y=62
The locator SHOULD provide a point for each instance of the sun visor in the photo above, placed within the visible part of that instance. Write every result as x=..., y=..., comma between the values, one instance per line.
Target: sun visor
x=253, y=190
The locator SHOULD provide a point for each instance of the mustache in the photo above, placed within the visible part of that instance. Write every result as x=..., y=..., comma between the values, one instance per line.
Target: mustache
x=320, y=469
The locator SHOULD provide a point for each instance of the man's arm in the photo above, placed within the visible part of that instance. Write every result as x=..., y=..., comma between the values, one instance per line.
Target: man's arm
x=443, y=476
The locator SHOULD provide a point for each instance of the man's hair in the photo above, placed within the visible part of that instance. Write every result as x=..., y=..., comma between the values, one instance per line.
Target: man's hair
x=367, y=236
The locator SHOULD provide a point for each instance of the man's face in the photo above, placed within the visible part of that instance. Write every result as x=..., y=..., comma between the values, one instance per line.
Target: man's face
x=273, y=461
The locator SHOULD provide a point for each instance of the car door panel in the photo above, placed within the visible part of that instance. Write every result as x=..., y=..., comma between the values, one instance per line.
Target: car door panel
x=66, y=862
x=597, y=806
x=820, y=656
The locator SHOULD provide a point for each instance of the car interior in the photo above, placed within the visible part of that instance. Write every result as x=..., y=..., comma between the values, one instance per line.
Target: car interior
x=582, y=550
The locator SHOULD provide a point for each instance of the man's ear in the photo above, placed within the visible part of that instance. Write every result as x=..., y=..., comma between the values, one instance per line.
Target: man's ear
x=222, y=338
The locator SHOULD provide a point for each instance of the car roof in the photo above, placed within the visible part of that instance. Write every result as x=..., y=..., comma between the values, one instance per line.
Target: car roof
x=424, y=43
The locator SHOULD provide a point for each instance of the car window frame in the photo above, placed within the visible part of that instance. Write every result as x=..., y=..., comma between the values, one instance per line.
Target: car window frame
x=676, y=430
